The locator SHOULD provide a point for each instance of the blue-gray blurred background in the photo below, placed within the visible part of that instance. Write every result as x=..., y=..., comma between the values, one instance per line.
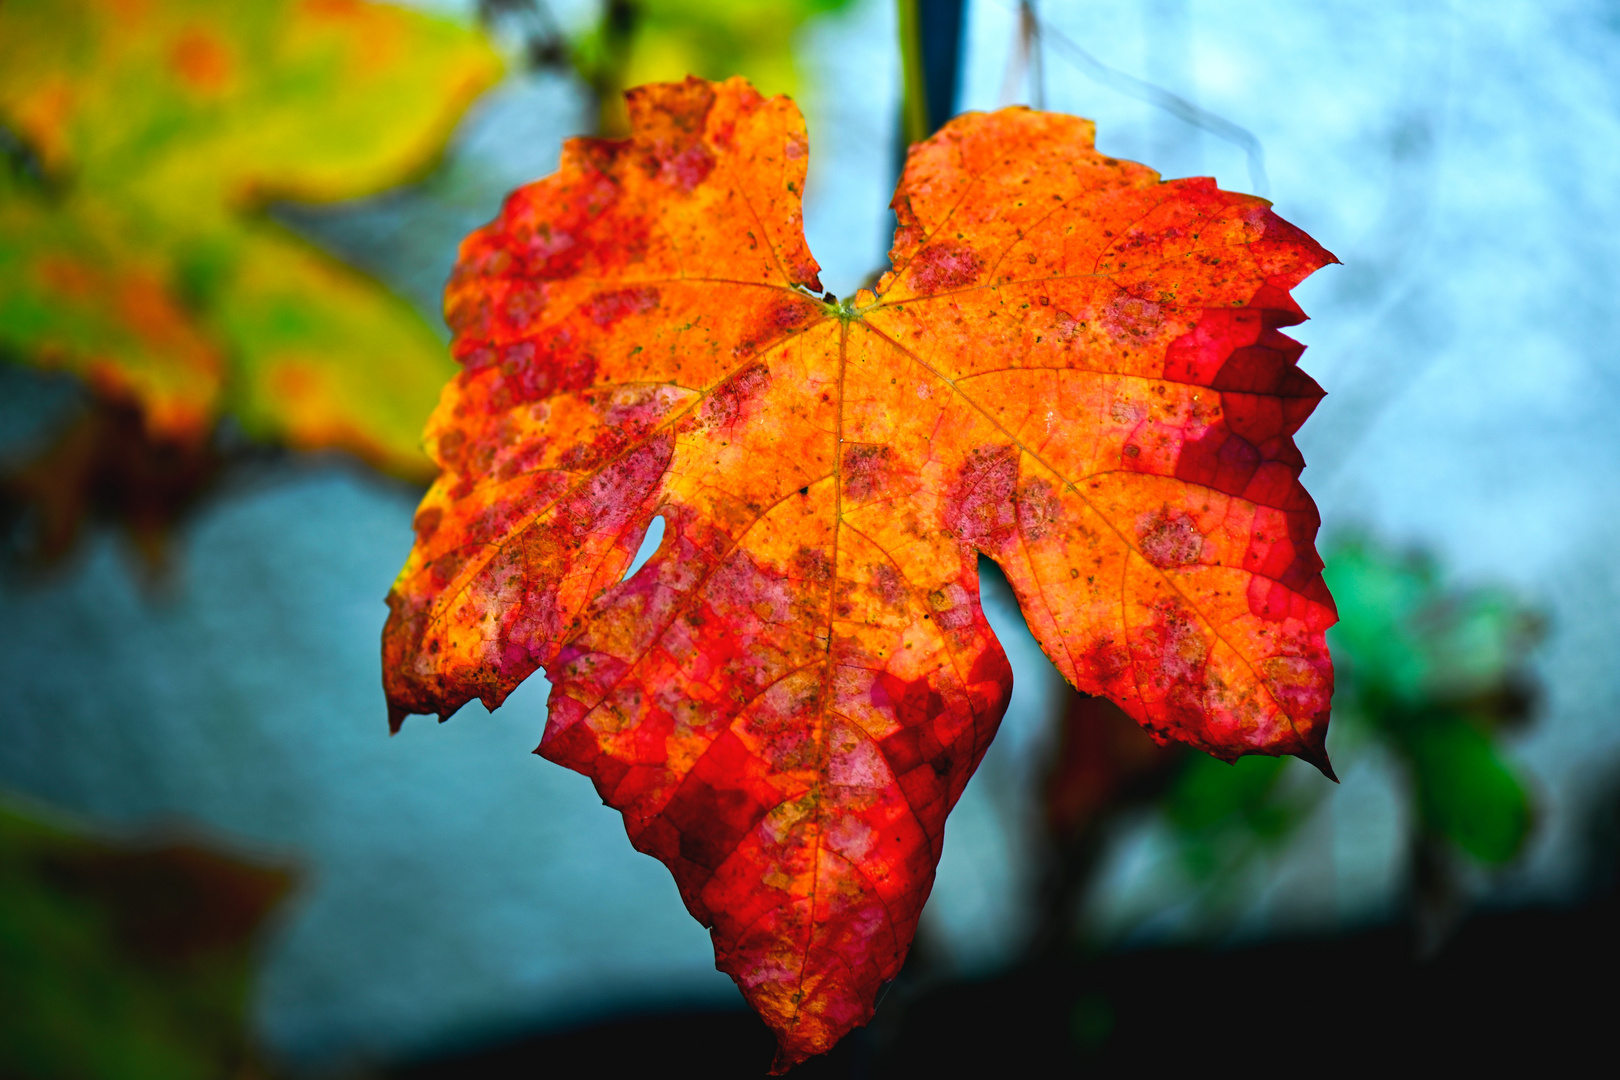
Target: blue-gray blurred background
x=1462, y=160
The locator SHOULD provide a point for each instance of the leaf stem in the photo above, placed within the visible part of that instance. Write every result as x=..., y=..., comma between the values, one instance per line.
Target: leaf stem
x=914, y=99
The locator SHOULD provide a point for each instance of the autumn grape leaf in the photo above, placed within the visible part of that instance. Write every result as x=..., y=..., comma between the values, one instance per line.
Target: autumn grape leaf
x=1074, y=369
x=143, y=138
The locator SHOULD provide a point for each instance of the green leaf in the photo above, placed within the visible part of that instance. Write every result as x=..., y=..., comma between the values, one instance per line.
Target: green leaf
x=1465, y=791
x=1210, y=794
x=1434, y=674
x=78, y=291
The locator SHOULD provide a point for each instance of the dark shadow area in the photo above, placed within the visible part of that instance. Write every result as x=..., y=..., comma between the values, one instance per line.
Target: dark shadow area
x=1509, y=986
x=1522, y=985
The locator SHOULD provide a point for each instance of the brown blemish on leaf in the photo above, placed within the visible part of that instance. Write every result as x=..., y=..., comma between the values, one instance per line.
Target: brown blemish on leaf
x=427, y=523
x=1131, y=319
x=980, y=507
x=669, y=130
x=945, y=264
x=1038, y=509
x=728, y=401
x=812, y=565
x=783, y=315
x=1176, y=648
x=1066, y=326
x=889, y=585
x=607, y=308
x=866, y=471
x=1168, y=538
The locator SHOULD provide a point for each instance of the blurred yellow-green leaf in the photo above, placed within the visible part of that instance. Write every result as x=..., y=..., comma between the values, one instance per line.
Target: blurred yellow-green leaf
x=80, y=291
x=318, y=343
x=143, y=140
x=751, y=38
x=642, y=41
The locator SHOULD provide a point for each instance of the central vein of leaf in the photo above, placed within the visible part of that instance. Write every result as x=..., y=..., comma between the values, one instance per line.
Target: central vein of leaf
x=845, y=310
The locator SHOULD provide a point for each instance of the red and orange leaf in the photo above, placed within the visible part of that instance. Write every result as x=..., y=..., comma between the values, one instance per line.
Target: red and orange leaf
x=1075, y=370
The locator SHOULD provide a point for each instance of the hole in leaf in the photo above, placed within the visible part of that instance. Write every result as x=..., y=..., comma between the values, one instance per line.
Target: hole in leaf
x=1041, y=694
x=649, y=547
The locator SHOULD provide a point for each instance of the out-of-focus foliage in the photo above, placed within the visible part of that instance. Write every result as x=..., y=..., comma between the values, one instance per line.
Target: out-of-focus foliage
x=1225, y=812
x=141, y=139
x=751, y=38
x=101, y=464
x=123, y=962
x=1436, y=675
x=644, y=41
x=1222, y=815
x=1103, y=760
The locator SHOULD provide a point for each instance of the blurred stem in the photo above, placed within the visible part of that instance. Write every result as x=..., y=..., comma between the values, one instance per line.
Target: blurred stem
x=1030, y=26
x=606, y=75
x=914, y=99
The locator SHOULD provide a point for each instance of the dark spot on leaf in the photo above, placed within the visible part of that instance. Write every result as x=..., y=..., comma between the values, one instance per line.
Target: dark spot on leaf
x=946, y=264
x=606, y=308
x=1038, y=509
x=728, y=401
x=1169, y=538
x=979, y=509
x=866, y=470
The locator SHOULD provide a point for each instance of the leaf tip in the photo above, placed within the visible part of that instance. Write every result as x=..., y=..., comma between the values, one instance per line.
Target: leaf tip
x=1318, y=757
x=786, y=1060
